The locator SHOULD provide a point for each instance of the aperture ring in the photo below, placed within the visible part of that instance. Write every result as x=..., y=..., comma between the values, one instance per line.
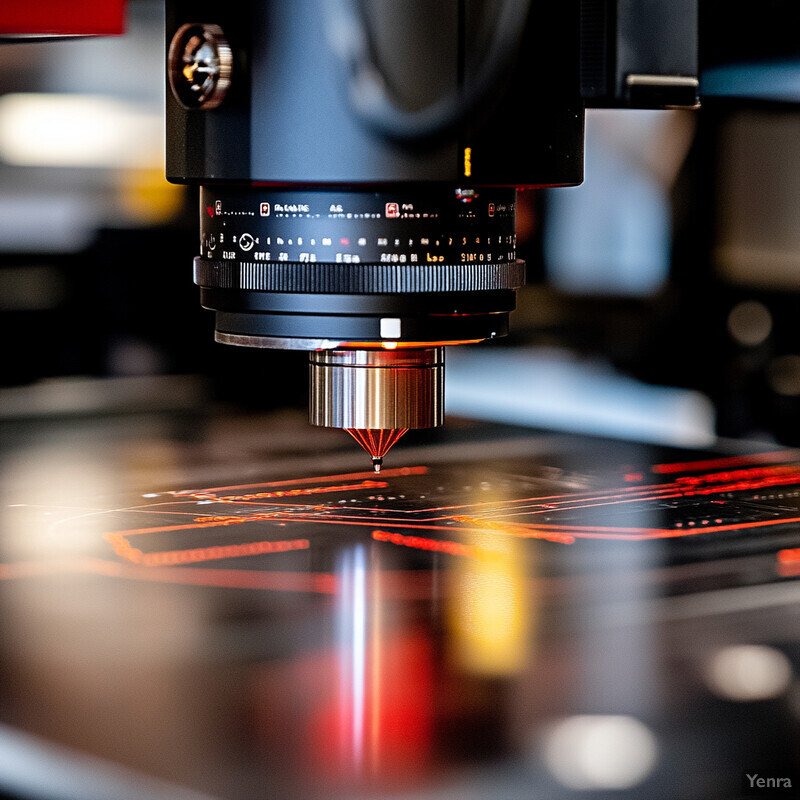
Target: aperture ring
x=324, y=278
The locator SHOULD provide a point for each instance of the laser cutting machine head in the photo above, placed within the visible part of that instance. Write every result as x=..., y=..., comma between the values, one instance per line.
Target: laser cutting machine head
x=358, y=166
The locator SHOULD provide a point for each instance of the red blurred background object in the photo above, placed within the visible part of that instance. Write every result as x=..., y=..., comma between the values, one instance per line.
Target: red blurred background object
x=57, y=18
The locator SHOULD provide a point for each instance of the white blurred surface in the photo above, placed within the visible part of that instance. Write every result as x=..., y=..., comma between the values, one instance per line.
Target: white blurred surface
x=552, y=389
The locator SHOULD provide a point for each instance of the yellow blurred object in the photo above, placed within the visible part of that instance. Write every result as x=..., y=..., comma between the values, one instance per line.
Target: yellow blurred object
x=147, y=198
x=490, y=611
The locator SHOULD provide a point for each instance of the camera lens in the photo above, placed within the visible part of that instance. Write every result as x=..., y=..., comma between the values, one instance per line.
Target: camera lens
x=373, y=284
x=309, y=270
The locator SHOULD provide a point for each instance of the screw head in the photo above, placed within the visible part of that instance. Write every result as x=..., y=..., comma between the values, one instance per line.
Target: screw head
x=199, y=65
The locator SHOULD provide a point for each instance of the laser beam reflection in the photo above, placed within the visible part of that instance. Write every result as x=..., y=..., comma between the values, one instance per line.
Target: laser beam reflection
x=352, y=635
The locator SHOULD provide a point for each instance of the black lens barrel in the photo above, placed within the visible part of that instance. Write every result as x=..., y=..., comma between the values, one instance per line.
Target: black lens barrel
x=422, y=265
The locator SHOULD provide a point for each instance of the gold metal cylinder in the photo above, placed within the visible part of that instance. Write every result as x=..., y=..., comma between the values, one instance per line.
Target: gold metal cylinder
x=377, y=389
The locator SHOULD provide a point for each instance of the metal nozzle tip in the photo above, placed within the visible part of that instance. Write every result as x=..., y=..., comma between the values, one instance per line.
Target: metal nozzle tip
x=376, y=443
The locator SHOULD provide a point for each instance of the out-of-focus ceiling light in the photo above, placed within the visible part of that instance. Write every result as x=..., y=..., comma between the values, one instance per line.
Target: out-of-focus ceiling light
x=749, y=672
x=600, y=752
x=75, y=130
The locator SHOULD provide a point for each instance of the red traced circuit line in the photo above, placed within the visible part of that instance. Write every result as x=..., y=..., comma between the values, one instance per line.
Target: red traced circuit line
x=641, y=534
x=423, y=543
x=761, y=478
x=727, y=462
x=739, y=480
x=351, y=476
x=123, y=548
x=301, y=492
x=174, y=564
x=685, y=486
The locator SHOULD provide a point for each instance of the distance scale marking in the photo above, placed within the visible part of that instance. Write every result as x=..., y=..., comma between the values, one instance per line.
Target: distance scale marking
x=337, y=227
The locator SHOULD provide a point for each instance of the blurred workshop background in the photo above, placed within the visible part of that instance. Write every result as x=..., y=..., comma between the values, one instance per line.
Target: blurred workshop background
x=662, y=294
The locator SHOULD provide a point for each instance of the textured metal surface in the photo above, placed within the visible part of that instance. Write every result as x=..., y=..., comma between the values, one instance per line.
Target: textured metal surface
x=377, y=389
x=358, y=278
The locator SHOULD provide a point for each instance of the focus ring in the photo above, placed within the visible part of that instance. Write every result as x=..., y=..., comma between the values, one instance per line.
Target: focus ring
x=325, y=278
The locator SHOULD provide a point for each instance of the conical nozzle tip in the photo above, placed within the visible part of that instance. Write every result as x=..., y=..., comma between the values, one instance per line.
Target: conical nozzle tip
x=376, y=443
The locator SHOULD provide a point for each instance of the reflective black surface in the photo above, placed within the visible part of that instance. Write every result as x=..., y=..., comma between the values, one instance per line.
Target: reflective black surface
x=240, y=607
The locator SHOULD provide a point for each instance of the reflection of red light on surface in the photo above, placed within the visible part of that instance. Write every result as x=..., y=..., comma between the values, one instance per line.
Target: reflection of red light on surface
x=377, y=443
x=721, y=463
x=788, y=562
x=315, y=582
x=397, y=716
x=753, y=473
